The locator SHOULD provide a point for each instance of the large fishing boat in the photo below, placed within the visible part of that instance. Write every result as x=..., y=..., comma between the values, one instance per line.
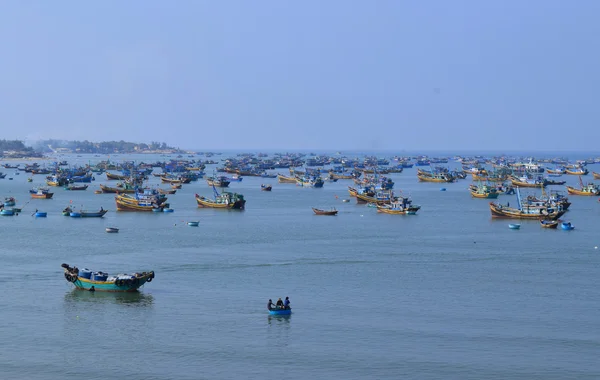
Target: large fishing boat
x=220, y=181
x=85, y=279
x=224, y=200
x=398, y=208
x=483, y=191
x=425, y=176
x=528, y=181
x=525, y=210
x=147, y=201
x=308, y=181
x=590, y=189
x=577, y=171
x=125, y=188
x=41, y=193
x=284, y=179
x=110, y=176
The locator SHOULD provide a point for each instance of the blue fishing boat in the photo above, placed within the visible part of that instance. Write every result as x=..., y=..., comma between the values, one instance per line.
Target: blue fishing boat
x=39, y=214
x=567, y=226
x=88, y=214
x=280, y=311
x=85, y=279
x=6, y=212
x=9, y=201
x=193, y=224
x=514, y=226
x=168, y=210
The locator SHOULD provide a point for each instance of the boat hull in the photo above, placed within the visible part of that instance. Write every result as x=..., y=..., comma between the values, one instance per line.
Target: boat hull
x=574, y=191
x=207, y=203
x=104, y=286
x=280, y=311
x=508, y=212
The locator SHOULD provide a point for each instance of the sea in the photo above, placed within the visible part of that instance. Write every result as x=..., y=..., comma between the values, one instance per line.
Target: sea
x=449, y=293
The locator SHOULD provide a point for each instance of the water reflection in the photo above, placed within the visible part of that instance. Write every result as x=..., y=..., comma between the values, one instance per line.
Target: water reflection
x=134, y=299
x=279, y=319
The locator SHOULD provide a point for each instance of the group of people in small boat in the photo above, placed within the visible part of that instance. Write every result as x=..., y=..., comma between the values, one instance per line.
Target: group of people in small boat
x=283, y=305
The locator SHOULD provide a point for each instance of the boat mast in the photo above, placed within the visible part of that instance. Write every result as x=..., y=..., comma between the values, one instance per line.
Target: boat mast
x=518, y=199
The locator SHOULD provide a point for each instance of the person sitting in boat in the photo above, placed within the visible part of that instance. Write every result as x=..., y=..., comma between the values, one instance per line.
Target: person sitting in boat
x=286, y=303
x=279, y=303
x=101, y=209
x=270, y=305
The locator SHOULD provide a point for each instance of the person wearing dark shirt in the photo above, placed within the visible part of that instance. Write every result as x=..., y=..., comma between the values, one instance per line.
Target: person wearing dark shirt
x=279, y=303
x=286, y=303
x=270, y=305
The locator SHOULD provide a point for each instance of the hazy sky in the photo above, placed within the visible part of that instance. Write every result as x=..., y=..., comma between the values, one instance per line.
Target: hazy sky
x=318, y=74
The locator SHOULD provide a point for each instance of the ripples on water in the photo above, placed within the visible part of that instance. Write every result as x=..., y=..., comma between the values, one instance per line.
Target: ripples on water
x=446, y=294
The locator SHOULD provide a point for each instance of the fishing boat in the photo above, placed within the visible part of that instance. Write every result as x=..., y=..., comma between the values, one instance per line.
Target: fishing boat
x=125, y=188
x=549, y=223
x=424, y=176
x=278, y=311
x=85, y=279
x=224, y=200
x=111, y=230
x=110, y=176
x=284, y=179
x=220, y=181
x=308, y=181
x=9, y=201
x=76, y=187
x=567, y=226
x=167, y=191
x=483, y=191
x=41, y=193
x=528, y=181
x=40, y=214
x=127, y=202
x=526, y=210
x=193, y=224
x=596, y=175
x=176, y=186
x=589, y=189
x=88, y=214
x=514, y=226
x=266, y=187
x=577, y=171
x=7, y=212
x=398, y=208
x=317, y=211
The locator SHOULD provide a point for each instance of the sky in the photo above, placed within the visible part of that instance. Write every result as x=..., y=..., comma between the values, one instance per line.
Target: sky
x=334, y=74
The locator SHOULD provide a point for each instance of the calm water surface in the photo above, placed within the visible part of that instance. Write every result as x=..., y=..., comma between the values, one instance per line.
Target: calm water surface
x=448, y=293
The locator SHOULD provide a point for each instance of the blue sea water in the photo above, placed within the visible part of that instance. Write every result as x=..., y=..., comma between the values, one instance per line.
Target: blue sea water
x=448, y=293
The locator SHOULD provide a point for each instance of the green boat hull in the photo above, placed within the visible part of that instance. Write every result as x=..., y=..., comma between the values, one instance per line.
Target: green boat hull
x=112, y=286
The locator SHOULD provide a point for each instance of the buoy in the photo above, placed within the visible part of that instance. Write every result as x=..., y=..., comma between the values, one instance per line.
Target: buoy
x=596, y=247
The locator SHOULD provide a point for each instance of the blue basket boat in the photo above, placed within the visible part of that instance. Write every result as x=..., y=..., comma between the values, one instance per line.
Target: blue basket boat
x=514, y=226
x=567, y=226
x=280, y=311
x=7, y=212
x=40, y=214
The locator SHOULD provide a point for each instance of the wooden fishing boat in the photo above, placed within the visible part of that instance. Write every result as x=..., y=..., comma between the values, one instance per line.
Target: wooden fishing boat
x=176, y=186
x=171, y=180
x=483, y=191
x=501, y=211
x=167, y=191
x=284, y=179
x=596, y=175
x=528, y=182
x=435, y=177
x=577, y=171
x=41, y=194
x=589, y=189
x=266, y=187
x=220, y=181
x=352, y=191
x=128, y=203
x=85, y=279
x=394, y=209
x=324, y=212
x=88, y=214
x=110, y=176
x=76, y=187
x=126, y=189
x=549, y=223
x=225, y=200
